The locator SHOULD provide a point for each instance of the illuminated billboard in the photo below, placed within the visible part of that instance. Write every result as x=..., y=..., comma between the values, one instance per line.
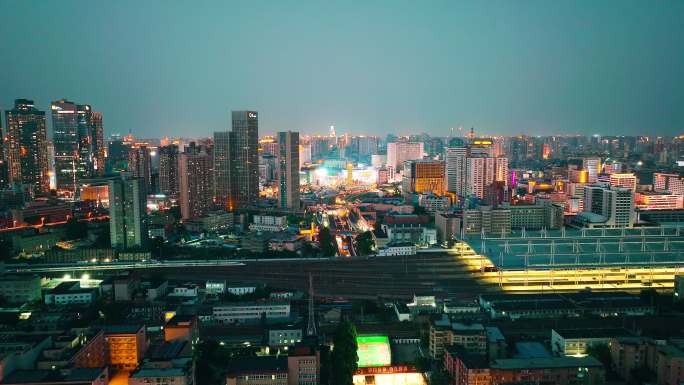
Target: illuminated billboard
x=373, y=351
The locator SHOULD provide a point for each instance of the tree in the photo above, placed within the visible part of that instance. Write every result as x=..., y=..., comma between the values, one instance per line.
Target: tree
x=327, y=242
x=602, y=353
x=365, y=243
x=344, y=355
x=6, y=249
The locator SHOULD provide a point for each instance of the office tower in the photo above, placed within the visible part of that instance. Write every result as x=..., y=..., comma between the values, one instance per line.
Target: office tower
x=360, y=148
x=196, y=181
x=626, y=180
x=117, y=154
x=673, y=183
x=268, y=145
x=75, y=135
x=127, y=208
x=501, y=170
x=4, y=175
x=168, y=170
x=614, y=204
x=222, y=169
x=27, y=157
x=455, y=159
x=476, y=176
x=320, y=146
x=99, y=151
x=399, y=152
x=244, y=158
x=140, y=165
x=593, y=168
x=424, y=176
x=288, y=170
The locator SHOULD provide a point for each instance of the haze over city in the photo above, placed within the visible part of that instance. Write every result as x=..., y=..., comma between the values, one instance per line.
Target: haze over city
x=534, y=67
x=342, y=192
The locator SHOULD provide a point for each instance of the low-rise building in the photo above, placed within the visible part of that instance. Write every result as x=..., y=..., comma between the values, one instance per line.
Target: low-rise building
x=241, y=312
x=443, y=333
x=268, y=223
x=284, y=335
x=19, y=289
x=71, y=293
x=397, y=248
x=575, y=342
x=269, y=370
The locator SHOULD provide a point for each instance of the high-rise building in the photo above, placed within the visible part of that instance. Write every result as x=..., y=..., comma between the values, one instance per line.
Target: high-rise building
x=360, y=148
x=615, y=204
x=27, y=157
x=244, y=147
x=168, y=170
x=4, y=175
x=222, y=170
x=288, y=169
x=99, y=150
x=626, y=180
x=455, y=159
x=196, y=181
x=77, y=136
x=127, y=208
x=593, y=168
x=673, y=183
x=399, y=152
x=424, y=176
x=140, y=165
x=482, y=171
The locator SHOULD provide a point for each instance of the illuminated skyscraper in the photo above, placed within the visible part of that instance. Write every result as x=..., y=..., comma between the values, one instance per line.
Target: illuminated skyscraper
x=168, y=170
x=140, y=165
x=77, y=135
x=4, y=176
x=127, y=208
x=244, y=158
x=196, y=181
x=288, y=170
x=27, y=158
x=222, y=163
x=424, y=176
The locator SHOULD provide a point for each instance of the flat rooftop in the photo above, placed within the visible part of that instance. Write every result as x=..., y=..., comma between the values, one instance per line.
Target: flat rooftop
x=647, y=246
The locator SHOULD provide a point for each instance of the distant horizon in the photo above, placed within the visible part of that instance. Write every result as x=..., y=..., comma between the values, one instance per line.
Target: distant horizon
x=506, y=68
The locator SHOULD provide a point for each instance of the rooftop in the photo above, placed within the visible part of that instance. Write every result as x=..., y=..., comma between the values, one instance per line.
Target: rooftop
x=586, y=247
x=546, y=363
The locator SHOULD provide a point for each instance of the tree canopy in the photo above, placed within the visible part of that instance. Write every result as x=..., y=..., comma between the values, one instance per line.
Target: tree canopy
x=344, y=356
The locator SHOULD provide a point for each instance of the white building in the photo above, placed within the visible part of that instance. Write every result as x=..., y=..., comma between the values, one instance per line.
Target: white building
x=399, y=152
x=615, y=204
x=71, y=293
x=250, y=312
x=593, y=168
x=215, y=286
x=268, y=223
x=240, y=289
x=455, y=159
x=395, y=249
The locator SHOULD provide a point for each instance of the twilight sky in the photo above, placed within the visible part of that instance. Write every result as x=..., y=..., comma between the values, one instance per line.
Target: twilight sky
x=178, y=67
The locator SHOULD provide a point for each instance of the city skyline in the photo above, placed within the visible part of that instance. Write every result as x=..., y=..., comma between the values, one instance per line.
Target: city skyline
x=385, y=67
